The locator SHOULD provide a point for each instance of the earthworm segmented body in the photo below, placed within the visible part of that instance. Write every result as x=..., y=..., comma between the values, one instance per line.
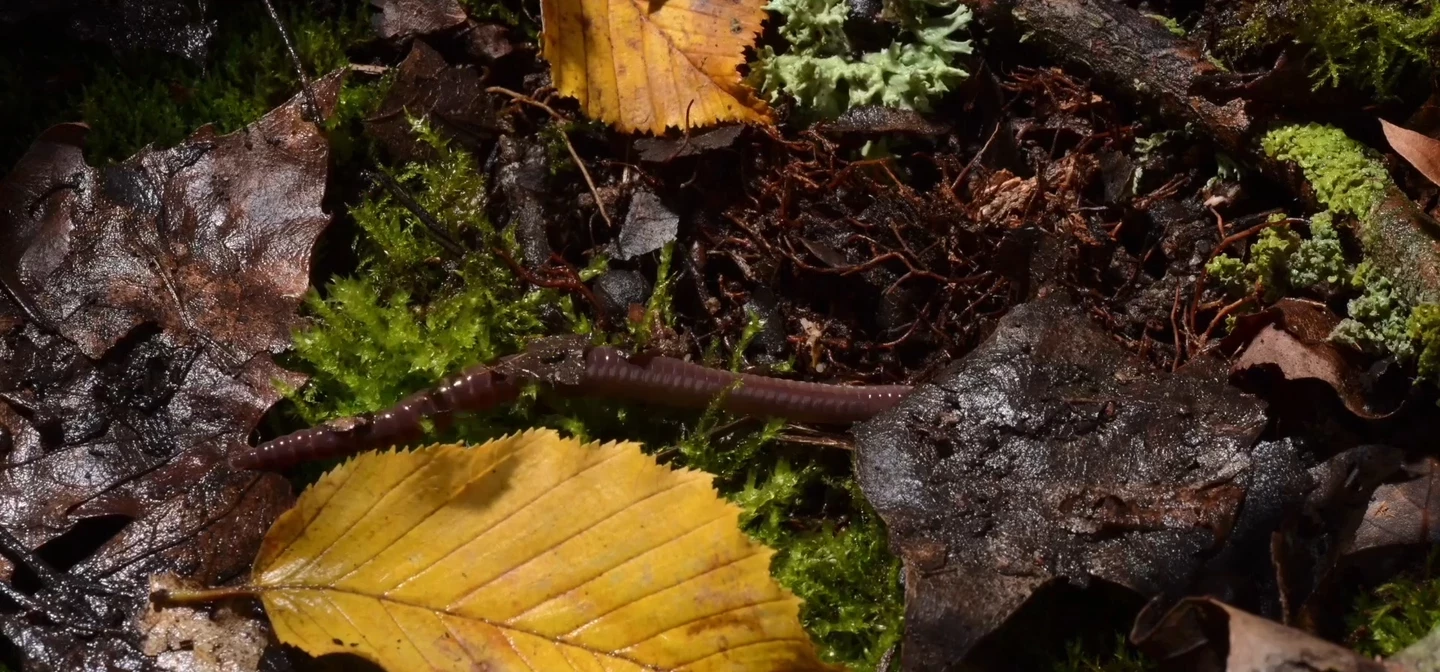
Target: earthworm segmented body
x=577, y=368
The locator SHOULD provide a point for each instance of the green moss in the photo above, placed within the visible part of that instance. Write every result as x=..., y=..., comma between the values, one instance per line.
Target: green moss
x=161, y=99
x=1319, y=261
x=821, y=72
x=1369, y=44
x=1170, y=24
x=1348, y=177
x=1122, y=658
x=1395, y=615
x=411, y=316
x=1378, y=321
x=406, y=320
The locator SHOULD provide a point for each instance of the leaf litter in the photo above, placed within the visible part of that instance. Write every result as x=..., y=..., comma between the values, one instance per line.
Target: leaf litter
x=876, y=270
x=159, y=289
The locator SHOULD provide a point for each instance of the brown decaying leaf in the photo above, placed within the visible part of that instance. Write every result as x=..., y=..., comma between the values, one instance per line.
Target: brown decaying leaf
x=1402, y=514
x=404, y=19
x=189, y=639
x=1292, y=337
x=452, y=97
x=1049, y=453
x=530, y=552
x=162, y=284
x=643, y=68
x=1423, y=152
x=1184, y=640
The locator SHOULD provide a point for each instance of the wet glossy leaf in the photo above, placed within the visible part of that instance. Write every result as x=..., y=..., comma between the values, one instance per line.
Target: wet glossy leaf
x=155, y=291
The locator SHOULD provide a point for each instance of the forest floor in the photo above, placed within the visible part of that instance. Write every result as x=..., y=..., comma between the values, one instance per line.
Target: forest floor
x=1194, y=198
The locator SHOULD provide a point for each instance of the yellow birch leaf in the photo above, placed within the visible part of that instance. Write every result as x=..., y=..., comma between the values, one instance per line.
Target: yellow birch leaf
x=644, y=70
x=531, y=552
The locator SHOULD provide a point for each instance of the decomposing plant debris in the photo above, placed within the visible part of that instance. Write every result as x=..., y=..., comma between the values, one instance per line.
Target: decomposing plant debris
x=1167, y=293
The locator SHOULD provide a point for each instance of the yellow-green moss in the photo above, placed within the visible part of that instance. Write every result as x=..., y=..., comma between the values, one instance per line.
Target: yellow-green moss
x=1347, y=176
x=1395, y=615
x=161, y=99
x=1121, y=658
x=411, y=316
x=1367, y=43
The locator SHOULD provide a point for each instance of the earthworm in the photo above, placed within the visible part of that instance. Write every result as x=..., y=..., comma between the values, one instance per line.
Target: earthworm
x=608, y=373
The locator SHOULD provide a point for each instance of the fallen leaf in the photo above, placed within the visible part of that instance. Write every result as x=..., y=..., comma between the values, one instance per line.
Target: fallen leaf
x=660, y=150
x=646, y=69
x=451, y=97
x=519, y=198
x=404, y=19
x=1421, y=151
x=1292, y=338
x=1204, y=635
x=649, y=225
x=531, y=552
x=161, y=285
x=187, y=639
x=1050, y=453
x=1402, y=514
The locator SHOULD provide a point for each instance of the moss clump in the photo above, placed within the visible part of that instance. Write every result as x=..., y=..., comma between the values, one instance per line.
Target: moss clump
x=1170, y=24
x=1319, y=261
x=1368, y=44
x=1123, y=658
x=1378, y=321
x=820, y=71
x=407, y=320
x=411, y=316
x=161, y=99
x=1346, y=175
x=1395, y=615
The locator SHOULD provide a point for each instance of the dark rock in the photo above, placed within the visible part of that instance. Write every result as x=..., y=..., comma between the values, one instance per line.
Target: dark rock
x=1051, y=454
x=617, y=289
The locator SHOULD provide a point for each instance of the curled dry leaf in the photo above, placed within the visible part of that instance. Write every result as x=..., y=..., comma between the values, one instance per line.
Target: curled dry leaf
x=1402, y=514
x=451, y=97
x=1292, y=338
x=1205, y=635
x=531, y=552
x=1421, y=151
x=404, y=19
x=158, y=288
x=646, y=66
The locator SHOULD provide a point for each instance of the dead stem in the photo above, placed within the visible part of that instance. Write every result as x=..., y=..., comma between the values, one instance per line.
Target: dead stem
x=559, y=118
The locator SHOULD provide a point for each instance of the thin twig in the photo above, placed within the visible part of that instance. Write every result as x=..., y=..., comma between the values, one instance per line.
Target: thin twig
x=599, y=204
x=312, y=112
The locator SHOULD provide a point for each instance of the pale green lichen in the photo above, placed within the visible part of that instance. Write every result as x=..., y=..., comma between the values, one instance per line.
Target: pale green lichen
x=1348, y=177
x=1266, y=267
x=1378, y=321
x=821, y=73
x=1319, y=262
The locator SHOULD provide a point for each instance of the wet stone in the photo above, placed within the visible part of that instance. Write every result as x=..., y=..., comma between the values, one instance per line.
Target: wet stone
x=1051, y=454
